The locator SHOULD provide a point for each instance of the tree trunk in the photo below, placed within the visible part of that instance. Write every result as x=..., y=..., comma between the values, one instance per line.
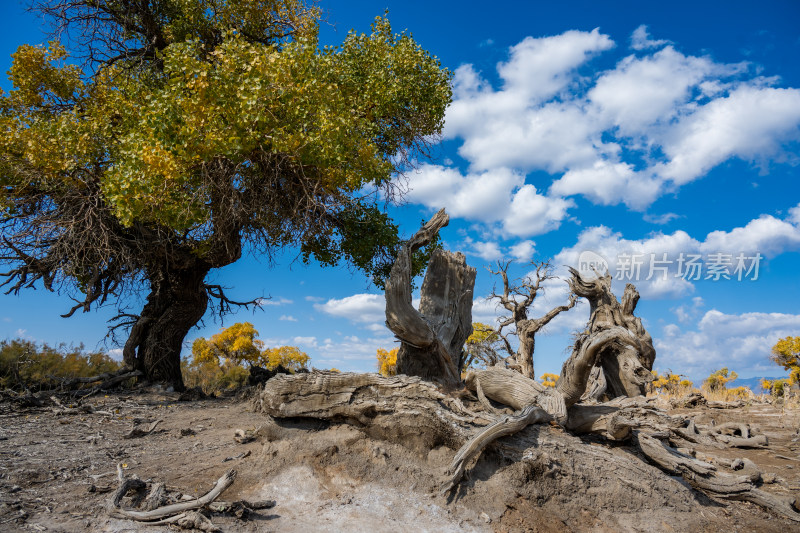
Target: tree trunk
x=624, y=366
x=177, y=301
x=523, y=359
x=432, y=337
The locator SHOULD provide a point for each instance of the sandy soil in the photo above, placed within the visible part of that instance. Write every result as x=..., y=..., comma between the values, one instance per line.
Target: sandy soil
x=58, y=472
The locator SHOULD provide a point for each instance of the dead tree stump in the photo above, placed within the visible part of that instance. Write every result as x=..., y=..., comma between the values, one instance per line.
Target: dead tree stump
x=431, y=338
x=623, y=367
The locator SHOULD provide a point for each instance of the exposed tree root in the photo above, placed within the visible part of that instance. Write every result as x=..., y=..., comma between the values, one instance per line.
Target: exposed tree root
x=418, y=414
x=704, y=476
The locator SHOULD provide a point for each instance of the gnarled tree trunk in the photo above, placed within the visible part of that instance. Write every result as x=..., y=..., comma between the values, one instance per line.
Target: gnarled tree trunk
x=177, y=301
x=625, y=365
x=432, y=337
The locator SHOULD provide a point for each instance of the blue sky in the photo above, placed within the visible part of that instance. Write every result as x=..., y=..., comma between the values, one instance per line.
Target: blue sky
x=634, y=130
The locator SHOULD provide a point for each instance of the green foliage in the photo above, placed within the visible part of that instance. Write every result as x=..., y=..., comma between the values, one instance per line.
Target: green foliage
x=718, y=379
x=786, y=353
x=26, y=364
x=219, y=123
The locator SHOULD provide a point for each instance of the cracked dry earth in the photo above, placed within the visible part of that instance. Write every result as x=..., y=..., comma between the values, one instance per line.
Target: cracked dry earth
x=58, y=473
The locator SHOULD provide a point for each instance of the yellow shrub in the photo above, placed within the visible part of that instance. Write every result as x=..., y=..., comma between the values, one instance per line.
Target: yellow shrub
x=387, y=361
x=549, y=380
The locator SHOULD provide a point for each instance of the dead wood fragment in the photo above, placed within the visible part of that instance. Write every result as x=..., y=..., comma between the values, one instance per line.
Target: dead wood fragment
x=625, y=366
x=189, y=520
x=515, y=390
x=169, y=510
x=693, y=399
x=142, y=431
x=156, y=497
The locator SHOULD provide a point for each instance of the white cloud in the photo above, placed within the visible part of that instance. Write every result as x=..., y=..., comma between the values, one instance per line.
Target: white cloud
x=493, y=197
x=357, y=308
x=609, y=183
x=794, y=215
x=766, y=235
x=288, y=318
x=310, y=342
x=115, y=354
x=738, y=342
x=274, y=302
x=523, y=251
x=474, y=196
x=540, y=68
x=750, y=123
x=314, y=299
x=639, y=92
x=660, y=219
x=532, y=213
x=640, y=39
x=488, y=251
x=630, y=134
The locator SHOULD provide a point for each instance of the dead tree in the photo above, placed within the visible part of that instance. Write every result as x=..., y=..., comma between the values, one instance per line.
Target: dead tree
x=431, y=338
x=421, y=415
x=517, y=297
x=624, y=368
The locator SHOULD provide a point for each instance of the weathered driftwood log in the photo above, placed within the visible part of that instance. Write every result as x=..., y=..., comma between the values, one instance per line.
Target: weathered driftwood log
x=432, y=338
x=397, y=408
x=516, y=391
x=419, y=415
x=625, y=367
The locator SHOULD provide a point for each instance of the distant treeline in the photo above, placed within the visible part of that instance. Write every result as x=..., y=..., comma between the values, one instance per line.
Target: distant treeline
x=27, y=365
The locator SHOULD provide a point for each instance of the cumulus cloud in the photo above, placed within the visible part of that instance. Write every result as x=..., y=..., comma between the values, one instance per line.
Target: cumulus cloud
x=736, y=341
x=652, y=123
x=609, y=183
x=305, y=342
x=659, y=264
x=497, y=196
x=523, y=250
x=750, y=123
x=489, y=251
x=640, y=39
x=481, y=196
x=362, y=308
x=288, y=318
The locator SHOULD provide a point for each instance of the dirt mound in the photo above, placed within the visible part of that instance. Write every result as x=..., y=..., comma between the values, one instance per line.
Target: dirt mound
x=58, y=472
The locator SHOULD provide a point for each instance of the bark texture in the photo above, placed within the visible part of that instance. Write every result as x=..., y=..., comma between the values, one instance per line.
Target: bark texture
x=432, y=337
x=177, y=301
x=623, y=366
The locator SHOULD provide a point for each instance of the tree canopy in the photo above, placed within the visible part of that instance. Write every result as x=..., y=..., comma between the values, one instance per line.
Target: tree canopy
x=173, y=134
x=786, y=353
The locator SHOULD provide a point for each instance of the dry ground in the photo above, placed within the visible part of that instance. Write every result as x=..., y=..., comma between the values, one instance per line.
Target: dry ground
x=58, y=471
